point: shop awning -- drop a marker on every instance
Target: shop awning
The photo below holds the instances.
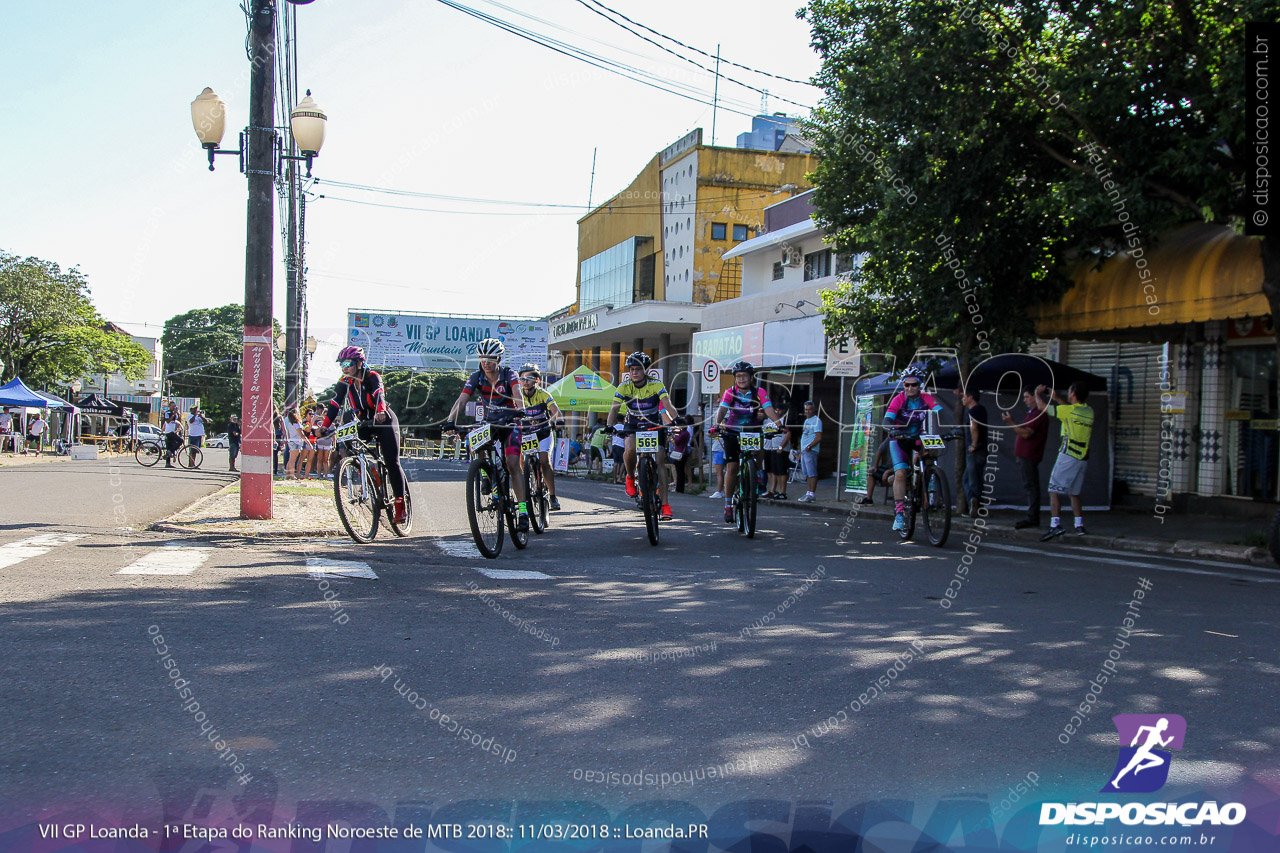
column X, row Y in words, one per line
column 1198, row 272
column 95, row 405
column 583, row 390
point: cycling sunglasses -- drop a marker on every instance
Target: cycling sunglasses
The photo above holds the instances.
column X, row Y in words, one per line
column 910, row 384
column 348, row 362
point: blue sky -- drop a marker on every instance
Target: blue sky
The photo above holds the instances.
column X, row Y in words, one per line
column 99, row 166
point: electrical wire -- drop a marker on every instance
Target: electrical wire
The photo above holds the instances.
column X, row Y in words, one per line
column 692, row 62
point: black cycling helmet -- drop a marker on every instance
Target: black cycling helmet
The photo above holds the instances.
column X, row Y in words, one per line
column 639, row 359
column 743, row 366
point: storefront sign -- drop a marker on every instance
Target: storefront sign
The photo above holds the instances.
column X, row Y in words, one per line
column 725, row 346
column 575, row 324
column 443, row 343
column 861, row 445
column 799, row 342
column 844, row 360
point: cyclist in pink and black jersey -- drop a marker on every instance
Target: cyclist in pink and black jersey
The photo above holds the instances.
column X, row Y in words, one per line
column 740, row 406
column 907, row 412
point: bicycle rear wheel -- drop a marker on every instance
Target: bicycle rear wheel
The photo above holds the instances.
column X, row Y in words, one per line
column 148, row 453
column 483, row 509
column 356, row 500
column 749, row 497
column 400, row 529
column 936, row 507
column 649, row 497
column 190, row 457
column 537, row 496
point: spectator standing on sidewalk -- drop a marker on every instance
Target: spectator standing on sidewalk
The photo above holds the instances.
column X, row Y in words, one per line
column 777, row 464
column 1028, row 450
column 297, row 442
column 195, row 433
column 599, row 440
column 35, row 431
column 810, row 440
column 1076, row 421
column 233, row 440
column 281, row 454
column 717, row 465
column 975, row 419
column 619, row 447
column 6, row 431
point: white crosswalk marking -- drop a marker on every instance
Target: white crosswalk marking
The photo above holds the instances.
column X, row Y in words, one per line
column 511, row 574
column 458, row 548
column 320, row 567
column 169, row 560
column 24, row 549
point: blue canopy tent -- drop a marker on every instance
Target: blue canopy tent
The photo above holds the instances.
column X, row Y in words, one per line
column 1002, row 379
column 16, row 393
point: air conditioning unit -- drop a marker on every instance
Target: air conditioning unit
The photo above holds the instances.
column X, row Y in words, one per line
column 792, row 258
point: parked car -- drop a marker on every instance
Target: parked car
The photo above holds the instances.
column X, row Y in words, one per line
column 219, row 440
column 146, row 432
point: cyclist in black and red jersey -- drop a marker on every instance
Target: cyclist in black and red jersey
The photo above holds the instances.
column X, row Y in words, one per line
column 499, row 393
column 361, row 389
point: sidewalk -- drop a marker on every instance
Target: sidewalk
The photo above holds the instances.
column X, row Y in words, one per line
column 1121, row 529
column 300, row 508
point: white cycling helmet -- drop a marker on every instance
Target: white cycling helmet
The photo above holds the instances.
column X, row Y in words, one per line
column 490, row 348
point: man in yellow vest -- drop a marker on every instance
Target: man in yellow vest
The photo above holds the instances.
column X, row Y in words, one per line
column 1076, row 422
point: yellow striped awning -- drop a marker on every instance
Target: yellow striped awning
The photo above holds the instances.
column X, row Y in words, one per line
column 1198, row 272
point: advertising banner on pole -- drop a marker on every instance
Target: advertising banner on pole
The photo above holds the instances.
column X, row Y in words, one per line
column 423, row 342
column 257, row 424
column 560, row 455
column 861, row 445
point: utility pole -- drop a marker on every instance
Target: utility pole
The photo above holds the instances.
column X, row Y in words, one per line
column 292, row 394
column 715, row 97
column 257, row 415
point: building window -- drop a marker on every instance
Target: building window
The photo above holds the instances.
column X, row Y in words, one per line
column 739, row 233
column 846, row 262
column 777, row 270
column 817, row 265
column 718, row 230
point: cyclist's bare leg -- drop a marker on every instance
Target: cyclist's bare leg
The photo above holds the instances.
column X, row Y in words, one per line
column 517, row 481
column 547, row 473
column 629, row 456
column 730, row 480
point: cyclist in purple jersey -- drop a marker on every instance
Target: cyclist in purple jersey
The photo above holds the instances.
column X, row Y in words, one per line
column 740, row 406
column 908, row 410
column 500, row 394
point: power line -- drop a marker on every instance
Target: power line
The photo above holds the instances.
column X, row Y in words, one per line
column 595, row 60
column 703, row 52
column 692, row 62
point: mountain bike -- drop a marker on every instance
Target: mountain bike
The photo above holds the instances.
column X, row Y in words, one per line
column 150, row 452
column 648, row 443
column 360, row 488
column 928, row 495
column 490, row 501
column 535, row 482
column 745, row 495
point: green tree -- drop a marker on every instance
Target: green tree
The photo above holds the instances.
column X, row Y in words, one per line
column 50, row 332
column 987, row 114
column 419, row 399
column 205, row 335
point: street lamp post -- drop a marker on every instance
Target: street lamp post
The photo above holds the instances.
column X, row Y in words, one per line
column 260, row 157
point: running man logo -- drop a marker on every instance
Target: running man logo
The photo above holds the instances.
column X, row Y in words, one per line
column 1143, row 765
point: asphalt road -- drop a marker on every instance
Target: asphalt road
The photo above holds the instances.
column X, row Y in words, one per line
column 709, row 650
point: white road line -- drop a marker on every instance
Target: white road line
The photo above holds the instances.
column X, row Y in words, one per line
column 320, row 567
column 1118, row 560
column 511, row 574
column 24, row 549
column 169, row 560
column 458, row 548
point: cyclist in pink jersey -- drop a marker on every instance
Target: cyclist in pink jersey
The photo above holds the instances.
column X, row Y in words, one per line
column 906, row 414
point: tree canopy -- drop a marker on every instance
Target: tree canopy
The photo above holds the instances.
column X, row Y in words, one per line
column 50, row 333
column 1017, row 136
column 205, row 335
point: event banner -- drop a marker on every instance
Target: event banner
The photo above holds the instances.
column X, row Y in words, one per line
column 861, row 445
column 424, row 342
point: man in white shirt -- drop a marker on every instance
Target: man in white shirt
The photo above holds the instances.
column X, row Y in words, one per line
column 6, row 432
column 195, row 433
column 810, row 438
column 35, row 432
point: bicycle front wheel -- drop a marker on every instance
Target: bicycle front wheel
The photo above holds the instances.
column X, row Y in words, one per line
column 190, row 457
column 749, row 497
column 935, row 508
column 148, row 453
column 537, row 496
column 356, row 500
column 484, row 511
column 649, row 497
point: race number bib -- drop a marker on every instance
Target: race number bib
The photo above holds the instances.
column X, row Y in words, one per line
column 529, row 443
column 346, row 432
column 749, row 441
column 479, row 437
column 647, row 441
column 932, row 442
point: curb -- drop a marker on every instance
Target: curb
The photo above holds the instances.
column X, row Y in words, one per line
column 1244, row 554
